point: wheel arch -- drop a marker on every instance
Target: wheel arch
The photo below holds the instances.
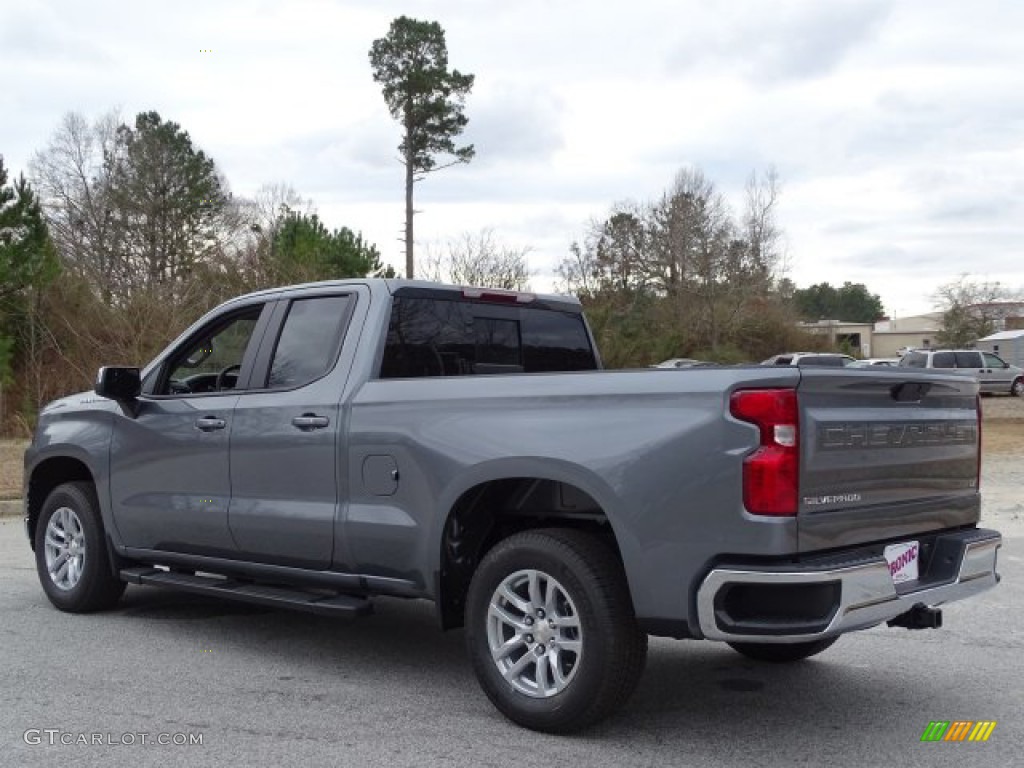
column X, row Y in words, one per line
column 499, row 498
column 46, row 475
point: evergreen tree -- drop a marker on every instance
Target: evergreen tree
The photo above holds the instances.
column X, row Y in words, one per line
column 27, row 261
column 411, row 62
column 27, row 256
column 166, row 197
column 304, row 249
column 851, row 302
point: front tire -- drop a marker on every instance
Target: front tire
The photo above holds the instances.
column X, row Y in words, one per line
column 551, row 632
column 783, row 653
column 1017, row 388
column 71, row 553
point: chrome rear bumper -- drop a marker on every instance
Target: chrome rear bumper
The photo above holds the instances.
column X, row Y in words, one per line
column 865, row 590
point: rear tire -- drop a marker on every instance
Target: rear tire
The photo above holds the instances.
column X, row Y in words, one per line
column 782, row 653
column 551, row 632
column 71, row 551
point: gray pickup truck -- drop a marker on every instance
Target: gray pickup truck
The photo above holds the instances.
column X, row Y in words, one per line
column 316, row 446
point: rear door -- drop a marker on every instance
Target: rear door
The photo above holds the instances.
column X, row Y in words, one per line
column 285, row 452
column 972, row 363
column 885, row 454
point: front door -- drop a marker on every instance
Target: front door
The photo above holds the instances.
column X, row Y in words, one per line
column 285, row 437
column 169, row 461
column 996, row 376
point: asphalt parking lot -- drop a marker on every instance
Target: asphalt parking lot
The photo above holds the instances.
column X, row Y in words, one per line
column 285, row 689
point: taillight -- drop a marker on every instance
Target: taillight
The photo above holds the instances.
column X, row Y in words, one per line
column 977, row 481
column 771, row 474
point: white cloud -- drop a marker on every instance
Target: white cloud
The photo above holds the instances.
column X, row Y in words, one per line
column 767, row 42
column 896, row 126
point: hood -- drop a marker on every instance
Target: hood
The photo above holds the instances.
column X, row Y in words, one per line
column 80, row 401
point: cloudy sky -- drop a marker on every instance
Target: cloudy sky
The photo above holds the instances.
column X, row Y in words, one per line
column 897, row 127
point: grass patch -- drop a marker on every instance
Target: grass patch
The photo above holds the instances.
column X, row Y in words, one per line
column 11, row 455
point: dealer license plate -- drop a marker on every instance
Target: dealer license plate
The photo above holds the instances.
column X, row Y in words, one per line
column 902, row 560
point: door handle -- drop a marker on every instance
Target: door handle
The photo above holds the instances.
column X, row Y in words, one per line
column 210, row 423
column 310, row 421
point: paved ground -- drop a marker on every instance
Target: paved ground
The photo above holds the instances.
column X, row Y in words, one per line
column 268, row 688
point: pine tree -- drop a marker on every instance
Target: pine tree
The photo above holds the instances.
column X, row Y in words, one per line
column 411, row 62
column 304, row 249
column 26, row 253
column 27, row 260
column 166, row 197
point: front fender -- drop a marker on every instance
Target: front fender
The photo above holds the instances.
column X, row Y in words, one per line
column 80, row 436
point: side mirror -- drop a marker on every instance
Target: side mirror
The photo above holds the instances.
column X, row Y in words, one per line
column 119, row 384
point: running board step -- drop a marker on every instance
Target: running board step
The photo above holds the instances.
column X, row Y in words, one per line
column 323, row 603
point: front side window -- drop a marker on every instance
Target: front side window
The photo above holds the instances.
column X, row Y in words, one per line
column 309, row 341
column 211, row 362
column 993, row 361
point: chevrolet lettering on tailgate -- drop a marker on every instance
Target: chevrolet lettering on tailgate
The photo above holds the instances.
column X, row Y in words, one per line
column 842, row 436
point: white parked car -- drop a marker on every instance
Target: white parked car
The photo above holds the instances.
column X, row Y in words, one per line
column 681, row 362
column 884, row 362
column 808, row 359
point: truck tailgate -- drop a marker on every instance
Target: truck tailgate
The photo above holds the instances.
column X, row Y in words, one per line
column 885, row 455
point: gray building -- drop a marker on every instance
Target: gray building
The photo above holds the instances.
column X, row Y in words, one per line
column 1009, row 345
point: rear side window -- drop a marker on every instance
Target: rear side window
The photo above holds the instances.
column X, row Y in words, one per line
column 914, row 360
column 440, row 337
column 309, row 341
column 944, row 360
column 968, row 360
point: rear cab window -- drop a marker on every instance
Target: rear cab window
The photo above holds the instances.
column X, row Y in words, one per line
column 442, row 336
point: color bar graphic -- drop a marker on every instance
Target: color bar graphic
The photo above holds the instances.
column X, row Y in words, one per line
column 958, row 730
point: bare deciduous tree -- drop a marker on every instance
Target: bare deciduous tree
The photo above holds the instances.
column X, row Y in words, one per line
column 685, row 257
column 259, row 220
column 72, row 180
column 480, row 260
column 972, row 309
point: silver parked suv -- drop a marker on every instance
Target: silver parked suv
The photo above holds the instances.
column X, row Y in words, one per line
column 993, row 374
